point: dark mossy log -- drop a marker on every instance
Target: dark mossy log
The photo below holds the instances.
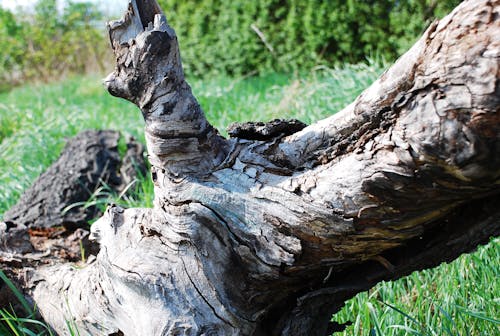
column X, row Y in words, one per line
column 52, row 216
column 270, row 231
column 89, row 161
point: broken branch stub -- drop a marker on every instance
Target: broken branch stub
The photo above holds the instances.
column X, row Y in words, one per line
column 149, row 74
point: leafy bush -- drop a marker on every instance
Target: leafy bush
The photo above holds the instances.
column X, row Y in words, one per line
column 48, row 43
column 11, row 47
column 240, row 37
column 234, row 37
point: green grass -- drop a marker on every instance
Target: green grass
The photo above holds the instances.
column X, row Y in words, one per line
column 37, row 120
column 461, row 298
column 11, row 324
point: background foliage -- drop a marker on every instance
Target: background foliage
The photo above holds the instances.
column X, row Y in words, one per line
column 223, row 35
column 46, row 44
column 235, row 37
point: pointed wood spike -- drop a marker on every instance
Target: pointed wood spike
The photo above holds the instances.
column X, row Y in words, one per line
column 149, row 73
column 147, row 9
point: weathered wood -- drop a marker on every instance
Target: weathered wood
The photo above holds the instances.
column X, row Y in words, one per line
column 265, row 131
column 88, row 161
column 51, row 219
column 269, row 233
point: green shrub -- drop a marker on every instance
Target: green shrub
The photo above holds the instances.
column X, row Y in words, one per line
column 240, row 37
column 235, row 37
column 12, row 47
column 48, row 44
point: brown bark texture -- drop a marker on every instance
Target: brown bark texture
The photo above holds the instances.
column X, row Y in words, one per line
column 270, row 231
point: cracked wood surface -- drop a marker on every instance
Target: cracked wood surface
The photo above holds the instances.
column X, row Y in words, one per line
column 270, row 232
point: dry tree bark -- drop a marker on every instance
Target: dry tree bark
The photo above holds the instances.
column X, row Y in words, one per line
column 270, row 231
column 53, row 214
column 88, row 161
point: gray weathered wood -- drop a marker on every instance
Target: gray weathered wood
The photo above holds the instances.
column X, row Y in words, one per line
column 269, row 235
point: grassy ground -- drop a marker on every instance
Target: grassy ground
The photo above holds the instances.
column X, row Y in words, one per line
column 461, row 298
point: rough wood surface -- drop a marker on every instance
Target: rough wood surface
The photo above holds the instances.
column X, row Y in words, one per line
column 269, row 235
column 51, row 219
column 88, row 161
column 265, row 130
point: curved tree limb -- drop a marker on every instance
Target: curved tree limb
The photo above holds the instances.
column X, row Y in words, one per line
column 269, row 236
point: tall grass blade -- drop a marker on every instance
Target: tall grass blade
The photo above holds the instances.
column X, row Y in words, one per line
column 26, row 306
column 478, row 315
column 412, row 319
column 8, row 319
column 374, row 319
column 448, row 318
column 407, row 329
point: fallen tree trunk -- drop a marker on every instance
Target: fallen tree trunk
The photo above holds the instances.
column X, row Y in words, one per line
column 269, row 232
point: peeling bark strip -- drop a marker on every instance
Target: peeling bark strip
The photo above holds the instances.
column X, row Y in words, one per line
column 269, row 235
